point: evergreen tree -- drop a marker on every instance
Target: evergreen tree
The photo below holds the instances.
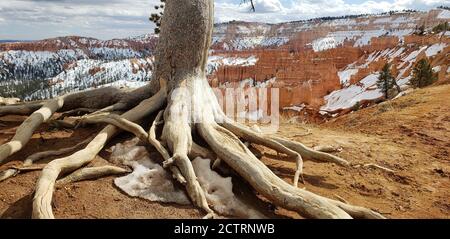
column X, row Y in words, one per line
column 420, row 30
column 386, row 81
column 423, row 74
column 441, row 27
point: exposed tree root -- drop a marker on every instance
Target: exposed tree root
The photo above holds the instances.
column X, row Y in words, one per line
column 177, row 134
column 375, row 166
column 161, row 149
column 76, row 112
column 9, row 101
column 309, row 153
column 27, row 128
column 327, row 148
column 20, row 109
column 62, row 124
column 13, row 171
column 357, row 211
column 341, row 198
column 97, row 98
column 92, row 173
column 241, row 160
column 45, row 185
column 5, row 174
column 303, row 150
column 139, row 132
column 258, row 138
column 238, row 157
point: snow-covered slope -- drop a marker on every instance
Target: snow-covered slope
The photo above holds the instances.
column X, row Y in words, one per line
column 26, row 68
column 87, row 73
column 402, row 58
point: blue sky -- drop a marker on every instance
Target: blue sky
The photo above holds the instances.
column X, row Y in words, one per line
column 106, row 19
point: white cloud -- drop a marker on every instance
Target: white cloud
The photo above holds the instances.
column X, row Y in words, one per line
column 36, row 19
column 305, row 9
column 265, row 6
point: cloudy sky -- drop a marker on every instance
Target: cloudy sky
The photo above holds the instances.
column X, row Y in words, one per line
column 106, row 19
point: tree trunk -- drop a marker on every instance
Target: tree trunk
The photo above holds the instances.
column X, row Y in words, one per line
column 182, row 50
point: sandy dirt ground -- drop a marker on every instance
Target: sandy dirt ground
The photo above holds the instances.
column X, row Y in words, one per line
column 410, row 135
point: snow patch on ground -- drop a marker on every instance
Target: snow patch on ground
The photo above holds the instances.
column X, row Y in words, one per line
column 219, row 192
column 215, row 62
column 435, row 49
column 152, row 182
column 436, row 68
column 349, row 96
column 344, row 76
column 148, row 180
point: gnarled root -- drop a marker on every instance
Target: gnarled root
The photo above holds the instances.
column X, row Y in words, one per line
column 27, row 128
column 238, row 157
column 309, row 153
column 76, row 112
column 20, row 109
column 45, row 185
column 96, row 98
column 375, row 166
column 5, row 174
column 255, row 137
column 161, row 149
column 304, row 151
column 11, row 172
column 327, row 148
column 92, row 173
column 139, row 132
column 177, row 134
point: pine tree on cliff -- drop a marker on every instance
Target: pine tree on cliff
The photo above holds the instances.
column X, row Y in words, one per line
column 386, row 81
column 423, row 74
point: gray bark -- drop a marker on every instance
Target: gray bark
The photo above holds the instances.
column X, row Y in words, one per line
column 185, row 38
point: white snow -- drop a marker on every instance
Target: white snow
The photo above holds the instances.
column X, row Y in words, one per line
column 413, row 55
column 445, row 14
column 435, row 49
column 85, row 74
column 152, row 182
column 396, row 54
column 215, row 62
column 108, row 53
column 436, row 68
column 252, row 42
column 148, row 180
column 348, row 97
column 323, row 44
column 344, row 76
column 359, row 37
column 219, row 192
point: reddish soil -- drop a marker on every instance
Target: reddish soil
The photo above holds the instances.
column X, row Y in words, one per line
column 409, row 135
